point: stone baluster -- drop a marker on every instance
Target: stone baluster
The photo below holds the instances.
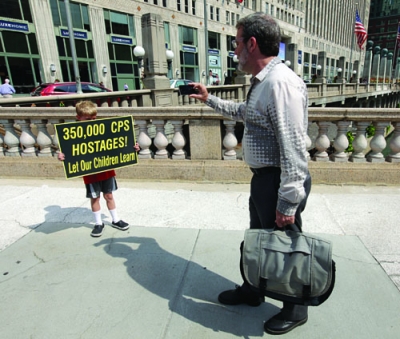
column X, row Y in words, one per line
column 360, row 142
column 134, row 101
column 43, row 138
column 308, row 142
column 186, row 99
column 124, row 101
column 143, row 140
column 341, row 142
column 114, row 102
column 178, row 141
column 27, row 139
column 322, row 142
column 230, row 141
column 104, row 102
column 56, row 143
column 11, row 138
column 160, row 140
column 378, row 142
column 1, row 145
column 394, row 144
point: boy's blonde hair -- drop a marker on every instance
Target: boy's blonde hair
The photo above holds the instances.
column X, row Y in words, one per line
column 85, row 108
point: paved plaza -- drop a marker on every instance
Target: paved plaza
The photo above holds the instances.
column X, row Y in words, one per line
column 161, row 278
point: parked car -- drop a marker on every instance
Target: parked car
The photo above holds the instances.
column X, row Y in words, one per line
column 61, row 88
column 175, row 83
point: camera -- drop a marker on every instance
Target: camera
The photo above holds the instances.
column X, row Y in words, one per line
column 187, row 90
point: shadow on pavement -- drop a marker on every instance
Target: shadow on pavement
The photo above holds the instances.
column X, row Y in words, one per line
column 191, row 289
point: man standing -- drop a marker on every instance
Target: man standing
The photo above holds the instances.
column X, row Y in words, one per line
column 274, row 146
column 6, row 90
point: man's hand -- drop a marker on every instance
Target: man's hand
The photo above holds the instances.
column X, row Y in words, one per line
column 61, row 156
column 202, row 93
column 283, row 220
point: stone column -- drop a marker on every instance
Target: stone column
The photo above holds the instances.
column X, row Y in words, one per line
column 389, row 69
column 155, row 60
column 291, row 55
column 382, row 65
column 321, row 61
column 356, row 69
column 340, row 76
column 368, row 62
column 100, row 47
column 46, row 40
column 375, row 65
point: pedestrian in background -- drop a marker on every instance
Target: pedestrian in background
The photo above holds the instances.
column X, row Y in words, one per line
column 6, row 90
column 275, row 117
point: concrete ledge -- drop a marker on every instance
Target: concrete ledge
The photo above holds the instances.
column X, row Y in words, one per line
column 210, row 170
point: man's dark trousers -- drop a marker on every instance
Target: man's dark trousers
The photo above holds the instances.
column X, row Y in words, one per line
column 264, row 188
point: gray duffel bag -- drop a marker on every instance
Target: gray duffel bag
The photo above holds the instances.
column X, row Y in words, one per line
column 289, row 266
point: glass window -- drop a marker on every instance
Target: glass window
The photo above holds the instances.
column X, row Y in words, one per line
column 15, row 42
column 166, row 33
column 79, row 14
column 10, row 9
column 119, row 23
column 123, row 52
column 194, row 7
column 213, row 40
column 188, row 35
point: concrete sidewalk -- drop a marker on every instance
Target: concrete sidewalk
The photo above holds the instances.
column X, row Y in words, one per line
column 161, row 278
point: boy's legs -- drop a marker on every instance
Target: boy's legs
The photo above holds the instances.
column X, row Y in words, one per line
column 108, row 187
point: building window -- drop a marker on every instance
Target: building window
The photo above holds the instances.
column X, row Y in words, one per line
column 194, row 7
column 178, row 5
column 217, row 15
column 211, row 12
column 119, row 23
column 16, row 9
column 188, row 35
column 227, row 17
column 214, row 40
column 79, row 14
column 186, row 6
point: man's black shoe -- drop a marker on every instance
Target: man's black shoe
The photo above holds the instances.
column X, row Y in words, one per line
column 279, row 325
column 240, row 295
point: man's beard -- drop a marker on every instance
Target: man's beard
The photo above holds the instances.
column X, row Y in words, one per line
column 244, row 55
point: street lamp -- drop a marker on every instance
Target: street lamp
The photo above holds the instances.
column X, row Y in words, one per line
column 319, row 67
column 170, row 55
column 288, row 63
column 139, row 53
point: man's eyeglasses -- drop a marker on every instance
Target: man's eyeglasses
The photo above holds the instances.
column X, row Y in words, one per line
column 235, row 42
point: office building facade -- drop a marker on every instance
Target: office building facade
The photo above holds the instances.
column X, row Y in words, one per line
column 35, row 46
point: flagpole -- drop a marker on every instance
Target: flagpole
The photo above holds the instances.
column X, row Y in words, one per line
column 395, row 46
column 352, row 45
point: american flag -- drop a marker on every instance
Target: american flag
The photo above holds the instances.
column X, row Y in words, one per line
column 361, row 33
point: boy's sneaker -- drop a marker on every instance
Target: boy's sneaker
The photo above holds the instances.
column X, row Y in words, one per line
column 97, row 230
column 121, row 225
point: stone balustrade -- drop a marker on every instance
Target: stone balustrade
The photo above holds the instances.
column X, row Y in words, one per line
column 195, row 132
column 319, row 94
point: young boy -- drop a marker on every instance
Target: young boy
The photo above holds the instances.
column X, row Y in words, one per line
column 101, row 182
